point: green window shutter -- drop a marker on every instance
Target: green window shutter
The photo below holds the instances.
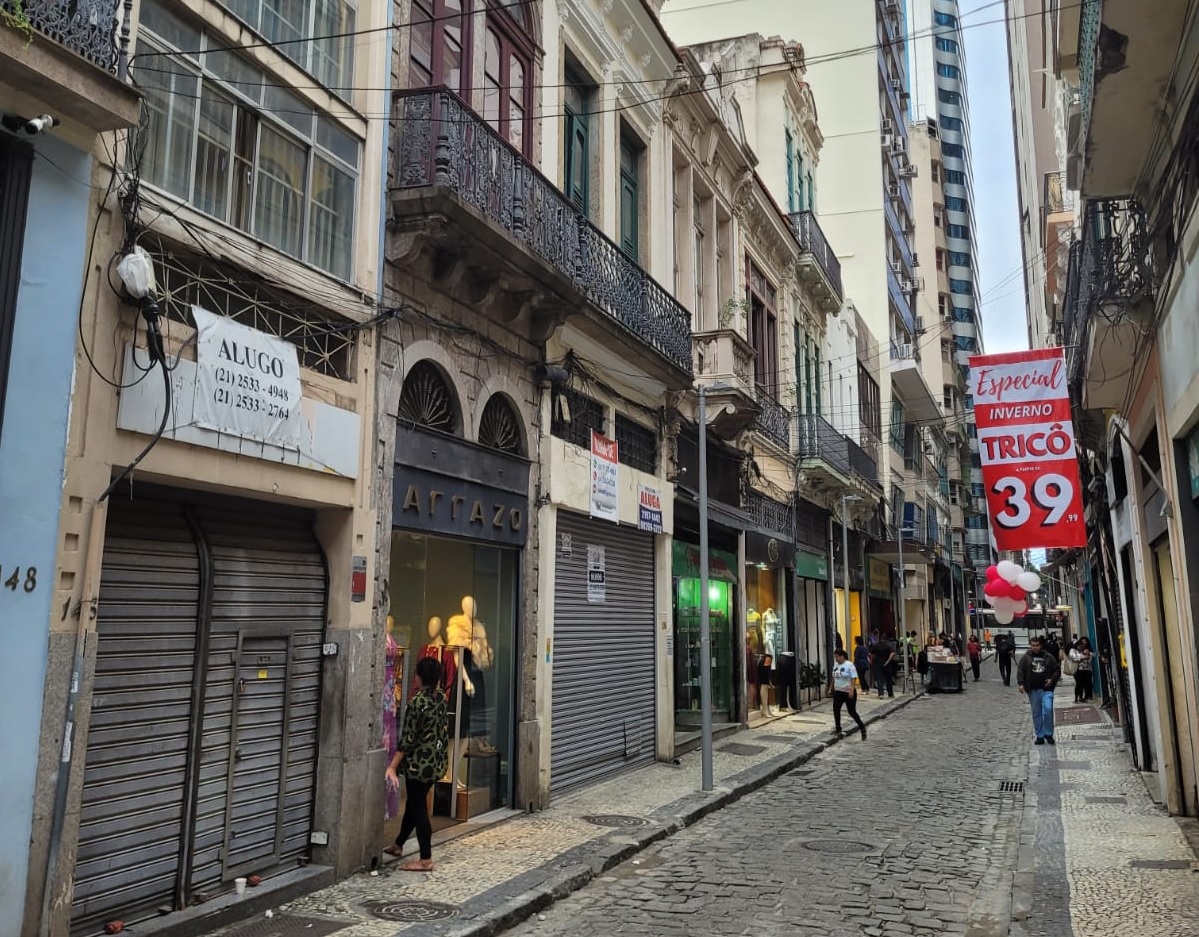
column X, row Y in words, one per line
column 629, row 200
column 819, row 394
column 577, row 160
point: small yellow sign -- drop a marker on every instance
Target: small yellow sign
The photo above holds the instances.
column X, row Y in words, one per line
column 262, row 675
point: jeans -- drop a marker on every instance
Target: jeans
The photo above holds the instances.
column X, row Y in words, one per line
column 416, row 817
column 883, row 681
column 840, row 699
column 1005, row 668
column 975, row 663
column 1041, row 702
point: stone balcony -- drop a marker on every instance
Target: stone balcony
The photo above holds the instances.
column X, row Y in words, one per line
column 723, row 362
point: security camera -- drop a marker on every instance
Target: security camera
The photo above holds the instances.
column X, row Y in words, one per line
column 41, row 124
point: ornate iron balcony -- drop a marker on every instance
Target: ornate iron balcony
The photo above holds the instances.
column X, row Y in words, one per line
column 812, row 240
column 773, row 420
column 440, row 141
column 769, row 514
column 818, row 439
column 862, row 464
column 90, row 28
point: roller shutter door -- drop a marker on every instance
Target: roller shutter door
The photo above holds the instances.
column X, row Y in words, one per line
column 604, row 677
column 218, row 612
column 131, row 821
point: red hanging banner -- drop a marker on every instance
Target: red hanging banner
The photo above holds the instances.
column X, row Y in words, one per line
column 1026, row 446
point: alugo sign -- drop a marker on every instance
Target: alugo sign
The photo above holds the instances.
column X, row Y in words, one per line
column 1026, row 446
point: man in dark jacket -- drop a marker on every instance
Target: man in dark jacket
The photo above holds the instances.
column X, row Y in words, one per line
column 882, row 655
column 1037, row 675
column 1005, row 647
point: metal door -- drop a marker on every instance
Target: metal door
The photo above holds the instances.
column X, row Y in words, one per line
column 132, row 814
column 604, row 677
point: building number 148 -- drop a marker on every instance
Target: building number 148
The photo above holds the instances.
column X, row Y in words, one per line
column 1050, row 492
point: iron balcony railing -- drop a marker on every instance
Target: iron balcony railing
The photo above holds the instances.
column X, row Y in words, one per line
column 98, row 30
column 773, row 420
column 861, row 463
column 819, row 439
column 768, row 514
column 440, row 141
column 811, row 238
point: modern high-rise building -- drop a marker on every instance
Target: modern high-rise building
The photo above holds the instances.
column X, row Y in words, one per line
column 939, row 97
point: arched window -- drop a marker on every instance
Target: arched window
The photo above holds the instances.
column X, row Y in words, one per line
column 508, row 73
column 500, row 426
column 427, row 399
column 439, row 51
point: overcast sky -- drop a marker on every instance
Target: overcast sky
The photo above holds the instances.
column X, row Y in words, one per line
column 997, row 222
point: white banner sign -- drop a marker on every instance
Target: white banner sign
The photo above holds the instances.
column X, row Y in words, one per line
column 597, row 575
column 247, row 382
column 605, row 476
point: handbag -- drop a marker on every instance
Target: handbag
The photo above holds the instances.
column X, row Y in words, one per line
column 1069, row 666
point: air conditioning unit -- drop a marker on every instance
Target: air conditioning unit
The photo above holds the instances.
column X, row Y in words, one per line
column 905, row 284
column 915, row 260
column 888, row 141
column 897, row 84
column 893, row 190
column 888, row 126
column 897, row 267
column 908, row 171
column 899, row 146
column 919, row 323
column 918, row 284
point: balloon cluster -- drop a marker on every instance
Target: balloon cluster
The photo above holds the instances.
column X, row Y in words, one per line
column 1007, row 590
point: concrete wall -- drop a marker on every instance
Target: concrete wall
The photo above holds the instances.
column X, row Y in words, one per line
column 31, row 478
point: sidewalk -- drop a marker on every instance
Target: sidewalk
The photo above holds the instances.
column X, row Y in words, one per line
column 499, row 875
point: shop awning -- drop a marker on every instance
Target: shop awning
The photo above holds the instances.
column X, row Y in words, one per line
column 718, row 511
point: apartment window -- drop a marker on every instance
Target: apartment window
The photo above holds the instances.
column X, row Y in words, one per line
column 965, row 343
column 438, row 34
column 949, row 97
column 955, row 177
column 869, row 402
column 946, row 45
column 291, row 26
column 637, row 446
column 946, row 350
column 947, row 397
column 960, row 286
column 944, row 19
column 575, row 415
column 630, row 196
column 954, row 203
column 959, row 259
column 943, row 305
column 794, row 172
column 508, row 75
column 938, row 217
column 969, row 402
column 896, row 429
column 810, row 192
column 940, row 259
column 953, row 150
column 935, row 171
column 953, row 123
column 763, row 329
column 699, row 214
column 245, row 150
column 949, row 71
column 579, row 96
column 977, row 490
column 963, row 315
column 959, row 231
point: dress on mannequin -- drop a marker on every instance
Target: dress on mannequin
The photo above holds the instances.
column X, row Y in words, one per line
column 436, row 648
column 460, row 633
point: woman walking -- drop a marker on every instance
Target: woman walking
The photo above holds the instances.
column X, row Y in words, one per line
column 423, row 753
column 975, row 652
column 843, row 686
column 861, row 661
column 1084, row 659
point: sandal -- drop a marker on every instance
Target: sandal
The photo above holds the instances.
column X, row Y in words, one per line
column 418, row 865
column 393, row 850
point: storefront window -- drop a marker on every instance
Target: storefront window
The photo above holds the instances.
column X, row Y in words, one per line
column 687, row 605
column 456, row 600
column 766, row 634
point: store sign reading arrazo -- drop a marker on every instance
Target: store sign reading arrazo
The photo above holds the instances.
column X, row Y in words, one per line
column 649, row 509
column 247, row 382
column 605, row 474
column 1026, row 446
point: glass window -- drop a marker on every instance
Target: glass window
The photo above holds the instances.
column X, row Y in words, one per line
column 508, row 79
column 953, row 123
column 630, row 196
column 763, row 330
column 954, row 203
column 944, row 19
column 963, row 315
column 953, row 150
column 960, row 286
column 456, row 601
column 955, row 177
column 946, row 45
column 250, row 153
column 765, row 633
column 948, row 71
column 949, row 97
column 959, row 231
column 959, row 259
column 577, row 142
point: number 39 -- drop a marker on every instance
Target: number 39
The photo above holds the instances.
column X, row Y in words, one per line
column 1052, row 493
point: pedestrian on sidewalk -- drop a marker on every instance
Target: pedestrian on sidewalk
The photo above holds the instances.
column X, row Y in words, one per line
column 861, row 661
column 843, row 686
column 423, row 751
column 975, row 650
column 1084, row 685
column 1037, row 675
column 882, row 655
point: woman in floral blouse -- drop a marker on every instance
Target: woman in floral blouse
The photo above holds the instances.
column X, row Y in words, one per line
column 423, row 752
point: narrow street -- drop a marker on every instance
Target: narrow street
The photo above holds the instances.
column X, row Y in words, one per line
column 918, row 831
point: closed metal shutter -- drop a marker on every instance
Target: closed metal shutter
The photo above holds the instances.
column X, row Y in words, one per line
column 226, row 612
column 604, row 678
column 131, row 821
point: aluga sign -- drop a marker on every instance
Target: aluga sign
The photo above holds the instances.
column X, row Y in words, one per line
column 1027, row 449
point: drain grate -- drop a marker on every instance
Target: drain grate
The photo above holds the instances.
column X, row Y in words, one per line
column 736, row 748
column 410, row 911
column 615, row 820
column 1011, row 787
column 288, row 925
column 841, row 847
column 1160, row 864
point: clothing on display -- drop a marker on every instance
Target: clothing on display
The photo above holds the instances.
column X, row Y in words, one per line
column 393, row 689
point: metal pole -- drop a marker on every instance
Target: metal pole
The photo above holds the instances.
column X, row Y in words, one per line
column 705, row 630
column 845, row 563
column 903, row 620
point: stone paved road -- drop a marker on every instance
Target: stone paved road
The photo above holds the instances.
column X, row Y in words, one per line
column 903, row 835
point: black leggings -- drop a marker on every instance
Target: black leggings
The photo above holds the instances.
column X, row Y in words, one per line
column 416, row 817
column 840, row 699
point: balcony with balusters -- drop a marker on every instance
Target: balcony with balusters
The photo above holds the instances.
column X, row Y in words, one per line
column 484, row 218
column 724, row 364
column 69, row 60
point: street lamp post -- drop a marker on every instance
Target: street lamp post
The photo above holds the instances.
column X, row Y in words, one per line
column 903, row 619
column 845, row 499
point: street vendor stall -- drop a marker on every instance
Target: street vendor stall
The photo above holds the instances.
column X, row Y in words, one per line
column 944, row 671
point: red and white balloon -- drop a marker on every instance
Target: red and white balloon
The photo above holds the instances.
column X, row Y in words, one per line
column 1007, row 590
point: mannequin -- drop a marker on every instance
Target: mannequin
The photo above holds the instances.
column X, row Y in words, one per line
column 435, row 647
column 765, row 667
column 770, row 624
column 460, row 633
